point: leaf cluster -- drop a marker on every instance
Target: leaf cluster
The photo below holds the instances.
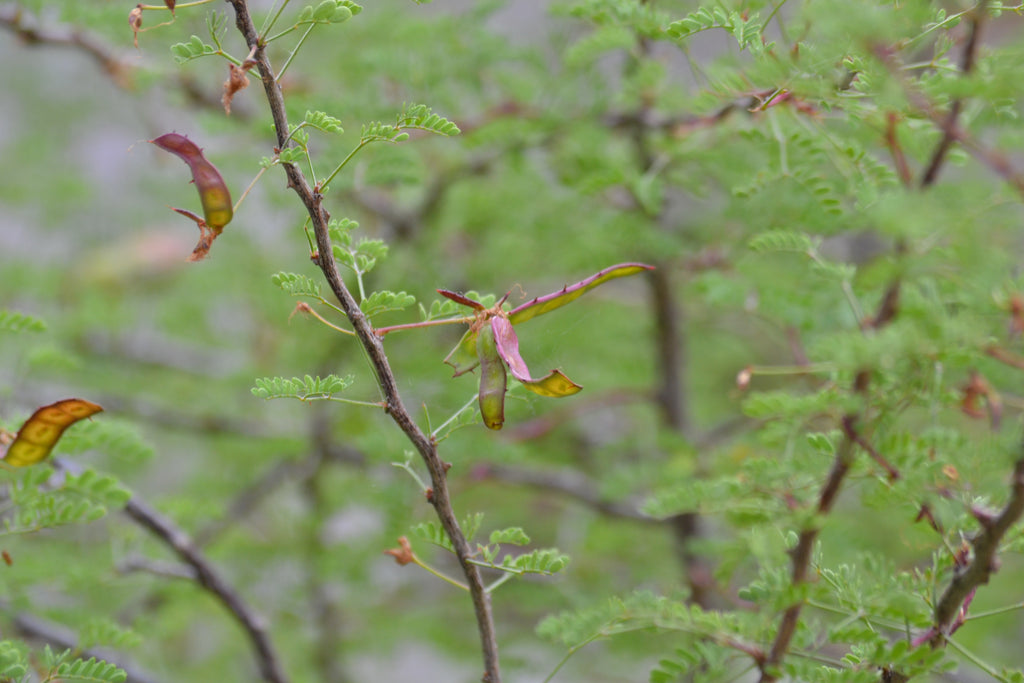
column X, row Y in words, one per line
column 544, row 561
column 306, row 388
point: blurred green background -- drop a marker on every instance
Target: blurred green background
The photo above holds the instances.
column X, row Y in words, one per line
column 583, row 145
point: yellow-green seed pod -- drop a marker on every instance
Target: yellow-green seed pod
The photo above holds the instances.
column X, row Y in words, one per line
column 493, row 379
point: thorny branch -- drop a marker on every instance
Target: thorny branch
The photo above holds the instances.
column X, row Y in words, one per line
column 960, row 590
column 373, row 346
column 206, row 576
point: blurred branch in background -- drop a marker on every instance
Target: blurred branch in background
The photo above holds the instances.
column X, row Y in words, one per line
column 206, row 576
column 31, row 31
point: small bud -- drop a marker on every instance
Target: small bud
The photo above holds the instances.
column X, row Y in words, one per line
column 7, row 557
column 743, row 378
column 301, row 307
column 170, row 5
column 430, row 495
column 403, row 554
column 135, row 21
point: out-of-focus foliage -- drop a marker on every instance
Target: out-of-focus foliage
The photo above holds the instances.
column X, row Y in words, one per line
column 815, row 298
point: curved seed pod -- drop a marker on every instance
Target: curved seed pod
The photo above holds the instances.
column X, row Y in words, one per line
column 213, row 192
column 553, row 384
column 549, row 302
column 492, row 379
column 40, row 433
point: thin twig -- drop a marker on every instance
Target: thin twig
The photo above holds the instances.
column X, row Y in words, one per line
column 892, row 141
column 206, row 576
column 998, row 162
column 967, row 59
column 801, row 561
column 671, row 350
column 1005, row 357
column 850, row 430
column 427, row 449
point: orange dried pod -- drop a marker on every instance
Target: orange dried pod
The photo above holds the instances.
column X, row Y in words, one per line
column 43, row 429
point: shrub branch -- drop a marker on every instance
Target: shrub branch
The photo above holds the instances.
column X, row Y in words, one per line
column 984, row 562
column 949, row 136
column 205, row 575
column 373, row 345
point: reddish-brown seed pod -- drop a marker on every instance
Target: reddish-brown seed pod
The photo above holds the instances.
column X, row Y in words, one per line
column 213, row 192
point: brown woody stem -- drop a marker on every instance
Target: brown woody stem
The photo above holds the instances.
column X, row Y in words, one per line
column 374, row 348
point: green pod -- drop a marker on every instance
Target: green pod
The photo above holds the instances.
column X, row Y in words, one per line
column 492, row 379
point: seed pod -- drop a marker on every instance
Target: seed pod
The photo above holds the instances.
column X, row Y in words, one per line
column 492, row 379
column 213, row 192
column 43, row 429
column 554, row 384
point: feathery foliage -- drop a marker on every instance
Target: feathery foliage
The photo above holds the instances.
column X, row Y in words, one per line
column 797, row 455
